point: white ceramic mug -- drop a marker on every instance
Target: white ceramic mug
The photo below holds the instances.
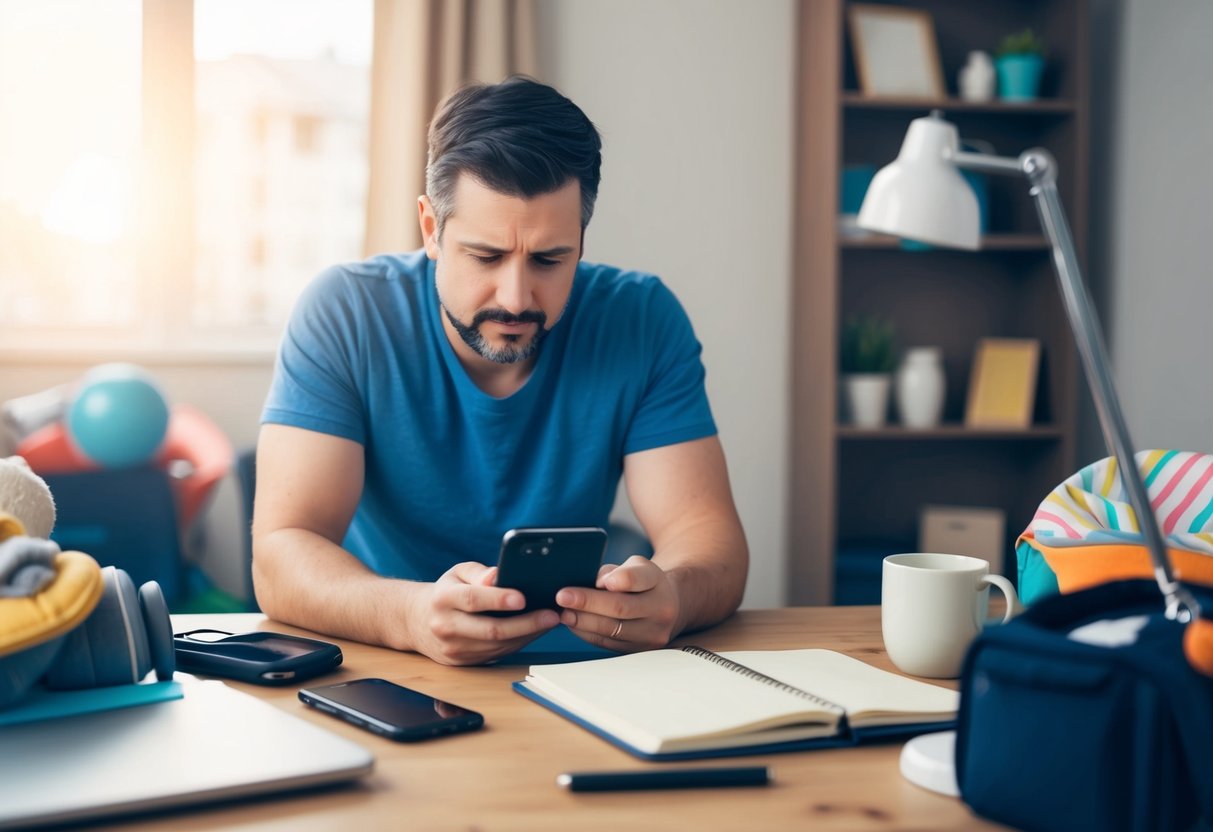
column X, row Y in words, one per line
column 932, row 606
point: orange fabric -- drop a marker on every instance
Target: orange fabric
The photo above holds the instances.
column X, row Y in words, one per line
column 1198, row 645
column 1079, row 567
column 193, row 437
column 49, row 450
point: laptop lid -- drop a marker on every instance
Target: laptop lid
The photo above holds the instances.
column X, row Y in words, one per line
column 214, row 744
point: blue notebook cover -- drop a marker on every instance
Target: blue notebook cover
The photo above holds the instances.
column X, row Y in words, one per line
column 43, row 704
column 844, row 739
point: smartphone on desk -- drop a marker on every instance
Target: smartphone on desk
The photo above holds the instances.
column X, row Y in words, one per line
column 263, row 658
column 391, row 710
column 541, row 561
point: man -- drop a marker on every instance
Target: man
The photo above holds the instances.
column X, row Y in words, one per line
column 424, row 404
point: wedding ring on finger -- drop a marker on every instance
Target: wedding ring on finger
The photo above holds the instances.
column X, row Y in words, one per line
column 618, row 628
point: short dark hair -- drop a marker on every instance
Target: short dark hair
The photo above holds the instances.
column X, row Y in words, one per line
column 519, row 137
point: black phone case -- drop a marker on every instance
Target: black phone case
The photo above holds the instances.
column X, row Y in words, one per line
column 241, row 656
column 573, row 558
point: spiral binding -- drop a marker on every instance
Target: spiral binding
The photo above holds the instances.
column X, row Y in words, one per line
column 729, row 664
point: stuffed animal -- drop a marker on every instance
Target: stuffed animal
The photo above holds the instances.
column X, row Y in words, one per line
column 24, row 498
column 44, row 593
column 49, row 635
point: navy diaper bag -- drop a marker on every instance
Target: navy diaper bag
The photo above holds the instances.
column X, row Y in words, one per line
column 1083, row 713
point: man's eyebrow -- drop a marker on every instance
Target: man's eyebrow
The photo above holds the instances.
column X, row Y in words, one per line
column 485, row 248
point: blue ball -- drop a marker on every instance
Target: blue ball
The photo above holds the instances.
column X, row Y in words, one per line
column 119, row 416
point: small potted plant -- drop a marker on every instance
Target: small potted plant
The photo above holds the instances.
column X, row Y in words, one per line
column 1020, row 63
column 867, row 359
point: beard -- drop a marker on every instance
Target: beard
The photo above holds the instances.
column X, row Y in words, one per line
column 513, row 351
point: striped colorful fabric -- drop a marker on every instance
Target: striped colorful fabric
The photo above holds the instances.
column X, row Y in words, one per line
column 1085, row 532
column 1092, row 505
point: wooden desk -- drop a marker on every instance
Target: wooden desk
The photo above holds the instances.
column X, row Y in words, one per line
column 503, row 776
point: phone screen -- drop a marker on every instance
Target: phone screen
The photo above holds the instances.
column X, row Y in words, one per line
column 386, row 708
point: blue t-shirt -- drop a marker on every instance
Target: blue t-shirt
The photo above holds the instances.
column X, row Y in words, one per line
column 450, row 468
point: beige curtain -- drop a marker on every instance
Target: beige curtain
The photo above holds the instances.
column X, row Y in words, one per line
column 424, row 49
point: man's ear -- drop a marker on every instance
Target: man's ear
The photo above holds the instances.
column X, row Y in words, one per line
column 428, row 221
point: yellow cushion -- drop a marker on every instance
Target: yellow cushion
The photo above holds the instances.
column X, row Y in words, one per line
column 58, row 608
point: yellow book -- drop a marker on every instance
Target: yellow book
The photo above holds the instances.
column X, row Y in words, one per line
column 672, row 704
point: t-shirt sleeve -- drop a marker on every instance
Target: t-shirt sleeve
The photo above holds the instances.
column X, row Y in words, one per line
column 314, row 385
column 674, row 407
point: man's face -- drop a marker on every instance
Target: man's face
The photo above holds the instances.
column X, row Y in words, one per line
column 505, row 267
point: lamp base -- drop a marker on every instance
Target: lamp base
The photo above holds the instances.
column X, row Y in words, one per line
column 929, row 761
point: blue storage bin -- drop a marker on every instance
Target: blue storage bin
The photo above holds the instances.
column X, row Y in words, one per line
column 858, row 569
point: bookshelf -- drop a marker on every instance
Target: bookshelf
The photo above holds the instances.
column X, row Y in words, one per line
column 858, row 489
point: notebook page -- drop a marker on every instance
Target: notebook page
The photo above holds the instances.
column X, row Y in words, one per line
column 868, row 693
column 667, row 695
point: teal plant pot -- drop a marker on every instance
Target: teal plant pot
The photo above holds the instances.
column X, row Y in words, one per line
column 1019, row 77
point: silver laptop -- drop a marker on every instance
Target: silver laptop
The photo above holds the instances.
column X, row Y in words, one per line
column 214, row 744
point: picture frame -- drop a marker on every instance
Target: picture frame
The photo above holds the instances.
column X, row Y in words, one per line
column 1002, row 385
column 896, row 54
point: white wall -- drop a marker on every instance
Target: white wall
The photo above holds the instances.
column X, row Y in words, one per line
column 1155, row 239
column 694, row 102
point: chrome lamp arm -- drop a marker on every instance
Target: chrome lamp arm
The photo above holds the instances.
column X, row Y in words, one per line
column 1040, row 169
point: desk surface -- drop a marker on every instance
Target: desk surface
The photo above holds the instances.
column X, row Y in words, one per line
column 503, row 776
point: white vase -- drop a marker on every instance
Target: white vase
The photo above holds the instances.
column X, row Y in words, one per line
column 920, row 387
column 867, row 396
column 977, row 77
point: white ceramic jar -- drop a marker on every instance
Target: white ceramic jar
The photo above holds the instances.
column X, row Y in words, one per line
column 977, row 77
column 920, row 387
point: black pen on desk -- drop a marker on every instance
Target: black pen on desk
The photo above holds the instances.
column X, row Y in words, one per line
column 677, row 778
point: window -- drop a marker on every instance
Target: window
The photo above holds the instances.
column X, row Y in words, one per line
column 156, row 201
column 287, row 84
column 69, row 154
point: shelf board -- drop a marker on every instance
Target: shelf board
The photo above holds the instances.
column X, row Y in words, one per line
column 948, row 432
column 1042, row 106
column 989, row 242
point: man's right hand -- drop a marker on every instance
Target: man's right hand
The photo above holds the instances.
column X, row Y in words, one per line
column 449, row 626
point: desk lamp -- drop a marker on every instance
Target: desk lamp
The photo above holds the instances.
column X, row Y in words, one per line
column 921, row 195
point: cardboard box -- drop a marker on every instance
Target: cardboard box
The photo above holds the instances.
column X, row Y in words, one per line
column 962, row 530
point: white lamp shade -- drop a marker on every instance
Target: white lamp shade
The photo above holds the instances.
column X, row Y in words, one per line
column 921, row 195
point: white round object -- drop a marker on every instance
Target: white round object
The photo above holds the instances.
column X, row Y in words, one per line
column 929, row 761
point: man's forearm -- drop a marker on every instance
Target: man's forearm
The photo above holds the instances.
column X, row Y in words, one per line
column 707, row 564
column 301, row 578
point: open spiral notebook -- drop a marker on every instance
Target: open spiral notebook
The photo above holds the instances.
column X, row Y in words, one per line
column 679, row 704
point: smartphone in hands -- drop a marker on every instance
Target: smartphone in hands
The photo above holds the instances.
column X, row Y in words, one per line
column 539, row 562
column 391, row 710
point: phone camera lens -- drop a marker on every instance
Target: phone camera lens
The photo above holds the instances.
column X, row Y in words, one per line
column 544, row 550
column 550, row 541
